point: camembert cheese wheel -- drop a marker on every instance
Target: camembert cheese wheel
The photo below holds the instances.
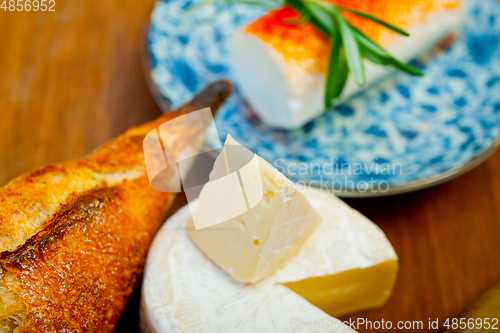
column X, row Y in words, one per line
column 346, row 265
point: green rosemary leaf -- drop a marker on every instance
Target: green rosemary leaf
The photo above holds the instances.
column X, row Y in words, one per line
column 352, row 52
column 337, row 73
column 303, row 17
column 327, row 7
column 373, row 50
column 374, row 19
column 300, row 7
column 404, row 67
column 318, row 12
column 368, row 43
column 343, row 73
column 374, row 57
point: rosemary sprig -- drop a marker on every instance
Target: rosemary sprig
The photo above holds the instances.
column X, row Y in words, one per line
column 349, row 45
column 374, row 19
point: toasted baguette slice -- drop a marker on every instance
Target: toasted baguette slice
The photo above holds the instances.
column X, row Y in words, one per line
column 74, row 236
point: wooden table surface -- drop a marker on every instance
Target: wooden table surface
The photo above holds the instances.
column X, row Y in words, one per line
column 72, row 79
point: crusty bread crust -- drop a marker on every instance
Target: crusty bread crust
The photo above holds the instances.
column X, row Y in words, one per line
column 74, row 236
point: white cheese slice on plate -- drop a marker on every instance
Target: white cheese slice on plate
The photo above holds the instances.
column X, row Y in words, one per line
column 346, row 265
column 280, row 68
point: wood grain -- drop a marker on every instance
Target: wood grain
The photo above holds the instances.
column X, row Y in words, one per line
column 71, row 79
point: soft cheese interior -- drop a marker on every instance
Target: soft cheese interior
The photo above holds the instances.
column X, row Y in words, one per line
column 346, row 265
column 252, row 245
column 281, row 78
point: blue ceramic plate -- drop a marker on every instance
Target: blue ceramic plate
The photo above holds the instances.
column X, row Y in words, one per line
column 403, row 134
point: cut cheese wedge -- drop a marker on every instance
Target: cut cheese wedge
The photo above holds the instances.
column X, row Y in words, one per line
column 280, row 68
column 270, row 231
column 346, row 265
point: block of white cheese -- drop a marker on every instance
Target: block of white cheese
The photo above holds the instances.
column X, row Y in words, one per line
column 347, row 265
column 270, row 231
column 280, row 67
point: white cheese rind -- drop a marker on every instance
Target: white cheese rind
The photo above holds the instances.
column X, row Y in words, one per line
column 286, row 95
column 184, row 291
